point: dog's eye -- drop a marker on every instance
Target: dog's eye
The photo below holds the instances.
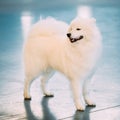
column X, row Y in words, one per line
column 78, row 29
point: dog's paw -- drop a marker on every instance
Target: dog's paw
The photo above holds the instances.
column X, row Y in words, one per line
column 27, row 98
column 48, row 94
column 90, row 102
column 80, row 107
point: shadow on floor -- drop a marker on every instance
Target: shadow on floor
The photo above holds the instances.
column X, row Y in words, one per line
column 47, row 114
column 29, row 113
column 83, row 115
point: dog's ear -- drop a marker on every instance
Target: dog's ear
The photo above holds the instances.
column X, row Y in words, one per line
column 93, row 19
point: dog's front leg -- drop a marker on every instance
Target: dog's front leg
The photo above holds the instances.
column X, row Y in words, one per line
column 86, row 93
column 78, row 94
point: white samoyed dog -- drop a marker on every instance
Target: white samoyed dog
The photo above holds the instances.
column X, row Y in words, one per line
column 72, row 49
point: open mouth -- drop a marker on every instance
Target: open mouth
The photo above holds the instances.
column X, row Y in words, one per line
column 72, row 40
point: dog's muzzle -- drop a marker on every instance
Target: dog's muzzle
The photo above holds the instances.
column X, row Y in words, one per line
column 72, row 40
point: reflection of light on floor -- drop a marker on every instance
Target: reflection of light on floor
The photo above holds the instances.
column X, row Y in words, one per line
column 26, row 24
column 84, row 11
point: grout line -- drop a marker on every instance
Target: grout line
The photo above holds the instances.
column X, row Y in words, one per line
column 94, row 111
column 105, row 108
column 65, row 118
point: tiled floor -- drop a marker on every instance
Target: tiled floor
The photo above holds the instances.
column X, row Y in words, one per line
column 14, row 26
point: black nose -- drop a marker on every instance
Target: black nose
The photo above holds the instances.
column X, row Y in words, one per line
column 68, row 34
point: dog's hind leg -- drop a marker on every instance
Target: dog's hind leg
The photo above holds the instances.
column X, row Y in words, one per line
column 45, row 77
column 27, row 84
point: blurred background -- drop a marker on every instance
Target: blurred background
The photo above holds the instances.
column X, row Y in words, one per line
column 16, row 19
column 53, row 4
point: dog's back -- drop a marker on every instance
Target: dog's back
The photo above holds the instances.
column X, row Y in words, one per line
column 41, row 44
column 49, row 26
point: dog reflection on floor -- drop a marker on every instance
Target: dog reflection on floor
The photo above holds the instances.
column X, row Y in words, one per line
column 29, row 113
column 48, row 115
column 82, row 115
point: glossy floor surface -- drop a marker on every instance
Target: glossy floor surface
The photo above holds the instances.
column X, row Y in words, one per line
column 14, row 26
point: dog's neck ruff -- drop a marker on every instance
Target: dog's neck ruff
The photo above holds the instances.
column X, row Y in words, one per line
column 72, row 40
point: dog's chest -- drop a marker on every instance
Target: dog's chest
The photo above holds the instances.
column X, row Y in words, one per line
column 86, row 56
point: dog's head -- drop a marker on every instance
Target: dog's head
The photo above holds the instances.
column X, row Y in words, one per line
column 80, row 29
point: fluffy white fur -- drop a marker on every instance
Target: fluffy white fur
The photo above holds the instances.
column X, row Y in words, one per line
column 48, row 49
